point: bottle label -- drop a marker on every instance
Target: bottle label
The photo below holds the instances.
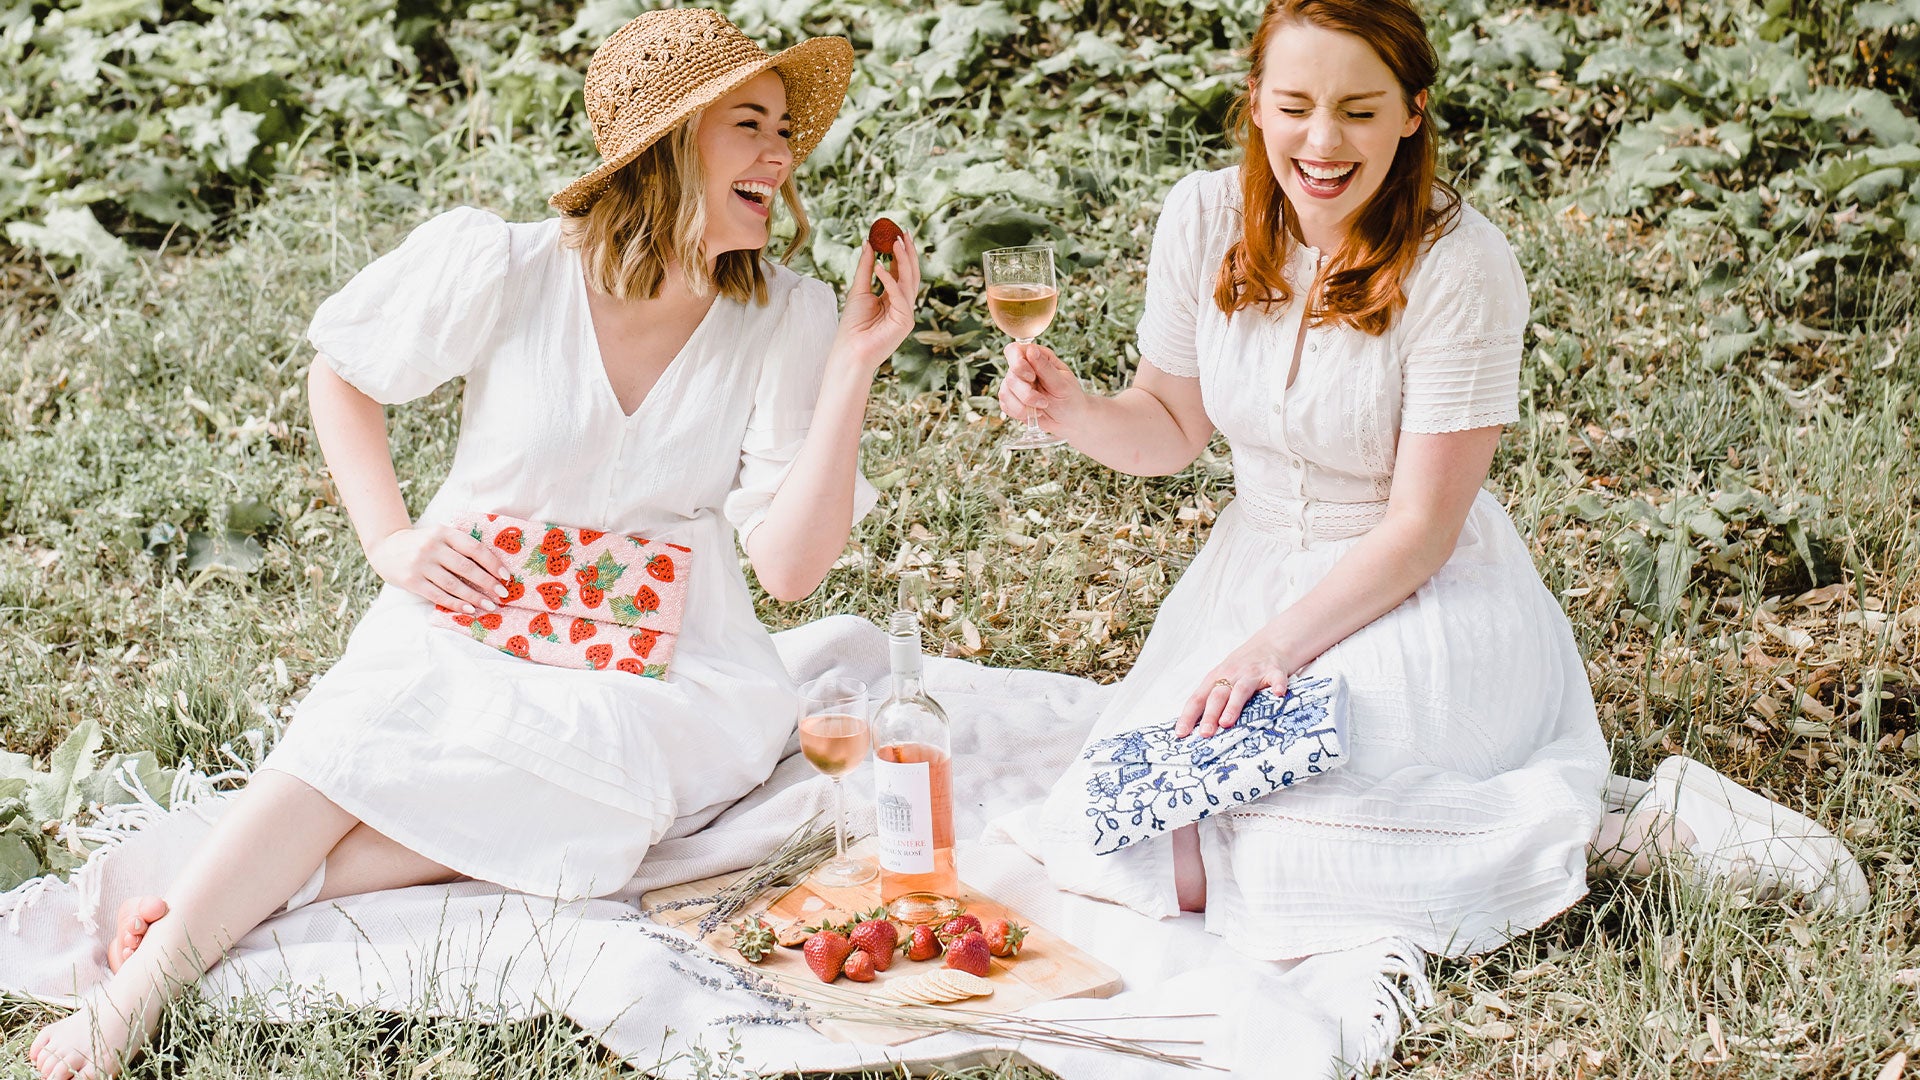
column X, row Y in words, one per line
column 903, row 803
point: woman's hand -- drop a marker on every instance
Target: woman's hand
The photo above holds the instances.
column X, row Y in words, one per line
column 873, row 325
column 1260, row 662
column 1038, row 382
column 443, row 564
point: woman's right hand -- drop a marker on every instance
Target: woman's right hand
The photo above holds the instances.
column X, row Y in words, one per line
column 444, row 565
column 1038, row 382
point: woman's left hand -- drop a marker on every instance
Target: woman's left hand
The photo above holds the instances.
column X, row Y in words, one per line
column 873, row 325
column 1259, row 663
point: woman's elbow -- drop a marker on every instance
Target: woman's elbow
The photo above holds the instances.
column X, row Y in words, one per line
column 784, row 581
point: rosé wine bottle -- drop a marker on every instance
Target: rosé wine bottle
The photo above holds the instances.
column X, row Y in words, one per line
column 913, row 787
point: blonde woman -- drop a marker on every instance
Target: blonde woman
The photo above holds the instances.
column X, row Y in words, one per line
column 633, row 366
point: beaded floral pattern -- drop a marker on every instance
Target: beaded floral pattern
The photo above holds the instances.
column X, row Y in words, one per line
column 1148, row 781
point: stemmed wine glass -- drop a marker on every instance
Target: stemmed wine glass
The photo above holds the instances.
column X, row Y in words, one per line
column 1022, row 295
column 834, row 736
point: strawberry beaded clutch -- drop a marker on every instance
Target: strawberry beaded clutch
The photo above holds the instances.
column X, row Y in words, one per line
column 581, row 598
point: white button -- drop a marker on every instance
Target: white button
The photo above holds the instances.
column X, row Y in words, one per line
column 1313, row 346
column 1278, row 409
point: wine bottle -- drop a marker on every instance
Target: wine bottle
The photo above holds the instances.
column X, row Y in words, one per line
column 913, row 787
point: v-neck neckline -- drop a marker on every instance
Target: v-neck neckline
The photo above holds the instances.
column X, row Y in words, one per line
column 674, row 363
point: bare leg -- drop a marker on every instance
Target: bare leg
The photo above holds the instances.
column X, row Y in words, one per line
column 1189, row 873
column 363, row 861
column 1632, row 842
column 368, row 861
column 264, row 848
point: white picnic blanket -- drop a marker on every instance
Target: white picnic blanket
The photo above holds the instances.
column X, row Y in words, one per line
column 474, row 951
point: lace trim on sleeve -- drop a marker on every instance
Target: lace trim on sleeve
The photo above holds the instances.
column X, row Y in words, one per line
column 1177, row 366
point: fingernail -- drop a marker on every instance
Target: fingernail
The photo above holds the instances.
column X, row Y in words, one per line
column 500, row 589
column 491, row 606
column 468, row 607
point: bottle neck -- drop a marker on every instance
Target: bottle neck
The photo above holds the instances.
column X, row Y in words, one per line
column 908, row 665
column 903, row 650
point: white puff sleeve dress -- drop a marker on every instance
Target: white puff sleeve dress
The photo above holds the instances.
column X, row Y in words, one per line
column 542, row 779
column 1475, row 761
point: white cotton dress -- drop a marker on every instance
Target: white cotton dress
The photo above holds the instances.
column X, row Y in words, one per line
column 543, row 779
column 1475, row 766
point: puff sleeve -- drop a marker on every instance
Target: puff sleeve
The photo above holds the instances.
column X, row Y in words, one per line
column 423, row 313
column 783, row 401
column 1174, row 282
column 1461, row 334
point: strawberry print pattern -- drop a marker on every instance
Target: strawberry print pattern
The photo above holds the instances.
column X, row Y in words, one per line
column 572, row 586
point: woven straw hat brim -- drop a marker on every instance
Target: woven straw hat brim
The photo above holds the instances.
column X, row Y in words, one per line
column 816, row 73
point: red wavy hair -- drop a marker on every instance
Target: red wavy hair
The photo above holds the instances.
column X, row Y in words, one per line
column 1364, row 285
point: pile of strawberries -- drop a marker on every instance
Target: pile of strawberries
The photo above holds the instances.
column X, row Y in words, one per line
column 866, row 945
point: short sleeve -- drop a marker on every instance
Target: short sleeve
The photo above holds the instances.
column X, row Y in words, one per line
column 783, row 402
column 423, row 313
column 1174, row 282
column 1461, row 334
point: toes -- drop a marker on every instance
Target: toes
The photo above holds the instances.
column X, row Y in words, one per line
column 153, row 908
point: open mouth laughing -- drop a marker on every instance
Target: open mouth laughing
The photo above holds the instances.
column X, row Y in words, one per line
column 1325, row 179
column 757, row 194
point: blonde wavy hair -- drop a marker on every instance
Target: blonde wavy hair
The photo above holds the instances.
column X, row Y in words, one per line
column 652, row 216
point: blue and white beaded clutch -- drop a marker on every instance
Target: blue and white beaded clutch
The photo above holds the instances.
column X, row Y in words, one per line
column 1146, row 782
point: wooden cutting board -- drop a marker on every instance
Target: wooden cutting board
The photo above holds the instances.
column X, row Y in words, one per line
column 1046, row 968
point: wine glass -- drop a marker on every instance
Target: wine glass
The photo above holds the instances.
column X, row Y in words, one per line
column 834, row 737
column 1022, row 295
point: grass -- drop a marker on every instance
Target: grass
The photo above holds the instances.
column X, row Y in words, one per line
column 143, row 415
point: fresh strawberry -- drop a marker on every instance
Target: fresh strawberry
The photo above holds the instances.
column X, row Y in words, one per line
column 1004, row 936
column 508, row 540
column 599, row 655
column 878, row 937
column 541, row 625
column 491, row 620
column 958, row 925
column 882, row 235
column 860, row 966
column 587, row 575
column 642, row 643
column 517, row 645
column 923, row 945
column 553, row 593
column 515, row 590
column 588, row 536
column 661, row 567
column 557, row 564
column 630, row 665
column 591, row 596
column 646, row 601
column 580, row 630
column 555, row 542
column 826, row 951
column 969, row 953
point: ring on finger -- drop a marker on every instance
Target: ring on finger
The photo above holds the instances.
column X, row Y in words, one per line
column 1228, row 683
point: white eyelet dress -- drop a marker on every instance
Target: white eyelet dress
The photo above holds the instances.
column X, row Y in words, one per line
column 1472, row 787
column 544, row 779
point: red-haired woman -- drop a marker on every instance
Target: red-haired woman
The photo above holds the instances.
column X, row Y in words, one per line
column 1355, row 332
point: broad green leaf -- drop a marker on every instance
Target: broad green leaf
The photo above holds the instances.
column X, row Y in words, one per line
column 56, row 794
column 18, row 861
column 73, row 234
column 226, row 549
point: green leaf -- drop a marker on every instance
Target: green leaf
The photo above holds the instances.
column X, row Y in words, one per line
column 226, row 550
column 18, row 861
column 56, row 794
column 607, row 571
column 72, row 234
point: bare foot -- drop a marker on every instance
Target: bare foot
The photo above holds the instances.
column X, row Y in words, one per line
column 95, row 1043
column 136, row 915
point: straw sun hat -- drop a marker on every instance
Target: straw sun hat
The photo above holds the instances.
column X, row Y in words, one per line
column 666, row 65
